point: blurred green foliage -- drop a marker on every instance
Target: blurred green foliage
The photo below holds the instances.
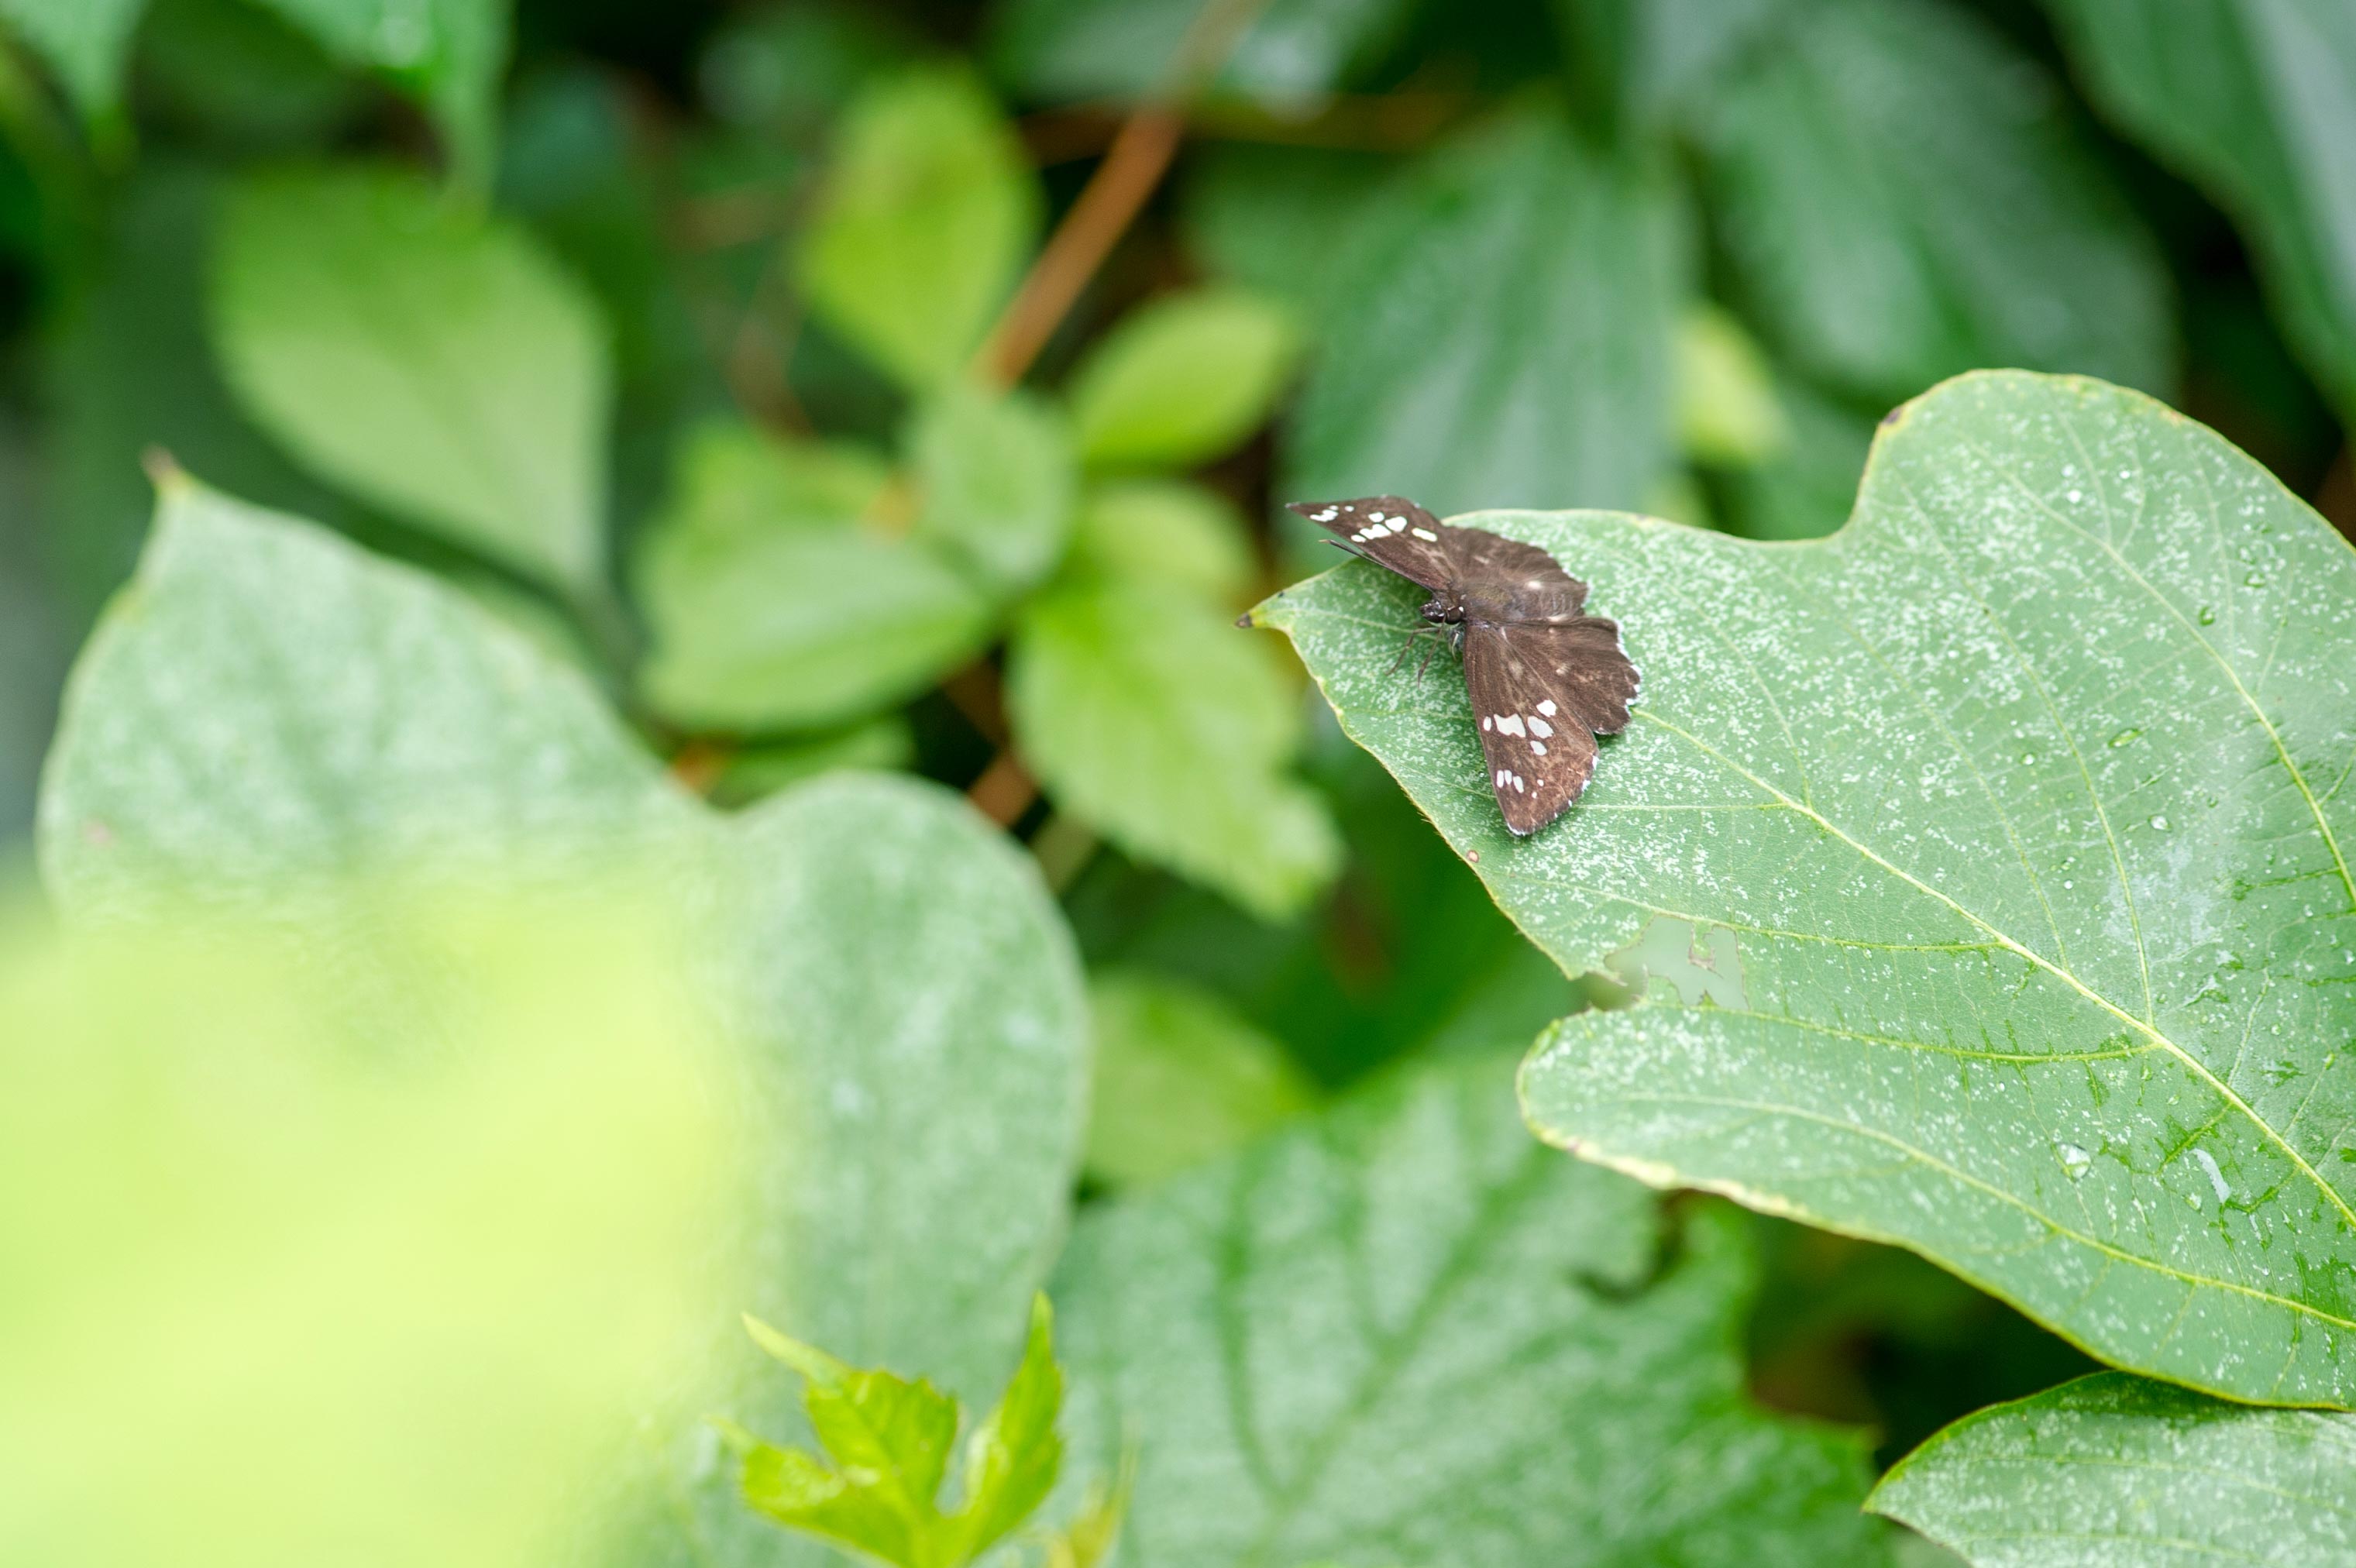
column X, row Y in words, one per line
column 639, row 387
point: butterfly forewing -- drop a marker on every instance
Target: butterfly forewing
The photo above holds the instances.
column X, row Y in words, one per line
column 1391, row 532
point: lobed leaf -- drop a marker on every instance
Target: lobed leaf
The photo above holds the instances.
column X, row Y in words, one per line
column 434, row 363
column 2116, row 1470
column 2006, row 827
column 1404, row 1334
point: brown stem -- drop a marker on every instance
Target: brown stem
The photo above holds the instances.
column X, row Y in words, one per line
column 1140, row 156
column 1004, row 791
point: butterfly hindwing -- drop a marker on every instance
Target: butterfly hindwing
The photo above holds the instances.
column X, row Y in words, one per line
column 1540, row 694
column 1391, row 532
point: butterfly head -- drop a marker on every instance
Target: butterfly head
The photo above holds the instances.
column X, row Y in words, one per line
column 1445, row 608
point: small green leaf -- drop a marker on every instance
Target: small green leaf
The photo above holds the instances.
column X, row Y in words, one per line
column 1013, row 1456
column 929, row 212
column 1180, row 1080
column 436, row 364
column 998, row 478
column 1184, row 380
column 750, row 575
column 1401, row 1334
column 86, row 42
column 448, row 55
column 893, row 1436
column 2007, row 830
column 794, row 1489
column 1501, row 331
column 1905, row 198
column 2138, row 1474
column 1726, row 409
column 2254, row 101
column 1165, row 531
column 1148, row 715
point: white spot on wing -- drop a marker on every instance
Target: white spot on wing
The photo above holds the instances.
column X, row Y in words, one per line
column 1487, row 723
column 1427, row 535
column 1541, row 729
column 1546, row 707
column 1510, row 724
column 1539, row 747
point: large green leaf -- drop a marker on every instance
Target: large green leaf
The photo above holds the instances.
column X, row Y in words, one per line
column 928, row 214
column 2006, row 827
column 447, row 54
column 1499, row 331
column 437, row 364
column 1146, row 716
column 267, row 705
column 778, row 599
column 2120, row 1471
column 86, row 42
column 2256, row 99
column 1905, row 199
column 1406, row 1334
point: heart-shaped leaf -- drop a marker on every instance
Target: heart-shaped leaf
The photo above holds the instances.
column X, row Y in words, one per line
column 2132, row 1474
column 1405, row 1333
column 268, row 708
column 2007, row 829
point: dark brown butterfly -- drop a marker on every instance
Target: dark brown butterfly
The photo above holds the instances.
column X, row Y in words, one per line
column 1545, row 678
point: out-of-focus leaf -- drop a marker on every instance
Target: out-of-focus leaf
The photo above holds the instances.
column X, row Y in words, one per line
column 1180, row 1079
column 86, row 42
column 267, row 706
column 998, row 478
column 448, row 55
column 1145, row 713
column 1165, row 531
column 1401, row 1334
column 1501, row 332
column 432, row 363
column 2003, row 829
column 2256, row 99
column 286, row 1290
column 2132, row 1474
column 236, row 74
column 1650, row 59
column 1184, row 380
column 1271, row 219
column 879, row 745
column 787, row 72
column 778, row 599
column 1728, row 413
column 1905, row 199
column 129, row 370
column 929, row 212
column 1805, row 490
column 1292, row 52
